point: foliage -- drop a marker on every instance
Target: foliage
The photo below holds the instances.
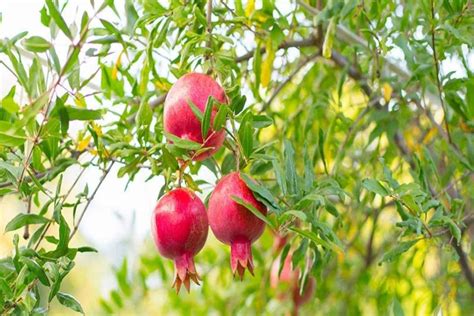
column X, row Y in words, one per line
column 359, row 134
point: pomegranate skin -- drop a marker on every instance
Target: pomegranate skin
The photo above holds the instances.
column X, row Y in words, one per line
column 180, row 120
column 179, row 229
column 232, row 223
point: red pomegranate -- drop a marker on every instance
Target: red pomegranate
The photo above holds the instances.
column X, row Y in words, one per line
column 289, row 279
column 180, row 120
column 232, row 223
column 179, row 228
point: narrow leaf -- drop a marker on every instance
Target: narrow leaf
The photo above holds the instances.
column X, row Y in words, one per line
column 252, row 209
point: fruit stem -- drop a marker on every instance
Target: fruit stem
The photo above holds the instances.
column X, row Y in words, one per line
column 181, row 172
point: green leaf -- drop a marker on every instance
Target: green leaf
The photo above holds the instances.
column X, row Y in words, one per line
column 36, row 44
column 238, row 104
column 398, row 250
column 375, row 186
column 397, row 308
column 144, row 114
column 329, row 38
column 206, row 119
column 34, row 267
column 454, row 229
column 182, row 143
column 246, row 135
column 321, row 149
column 58, row 19
column 299, row 214
column 24, row 219
column 30, row 111
column 314, row 238
column 257, row 66
column 261, row 193
column 290, row 168
column 220, row 118
column 8, row 102
column 69, row 301
column 169, row 161
column 252, row 209
column 280, row 177
column 228, row 165
column 9, row 136
column 262, row 121
column 86, row 249
column 195, row 110
column 283, row 255
column 80, row 114
column 72, row 60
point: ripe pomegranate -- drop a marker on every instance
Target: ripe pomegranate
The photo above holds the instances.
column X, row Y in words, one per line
column 179, row 228
column 289, row 279
column 180, row 120
column 232, row 223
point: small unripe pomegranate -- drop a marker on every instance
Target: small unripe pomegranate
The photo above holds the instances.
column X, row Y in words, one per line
column 179, row 228
column 180, row 120
column 289, row 278
column 232, row 223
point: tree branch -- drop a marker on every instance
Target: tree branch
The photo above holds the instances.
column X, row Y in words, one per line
column 305, row 42
column 438, row 81
column 288, row 79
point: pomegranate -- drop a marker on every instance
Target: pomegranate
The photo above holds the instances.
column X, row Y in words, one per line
column 179, row 118
column 179, row 228
column 289, row 279
column 232, row 223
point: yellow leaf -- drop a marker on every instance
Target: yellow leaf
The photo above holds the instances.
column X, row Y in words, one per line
column 410, row 139
column 329, row 39
column 97, row 128
column 250, row 8
column 83, row 143
column 117, row 65
column 93, row 152
column 162, row 86
column 429, row 136
column 267, row 65
column 80, row 101
column 387, row 91
column 260, row 17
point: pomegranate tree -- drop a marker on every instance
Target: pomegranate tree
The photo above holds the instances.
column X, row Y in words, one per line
column 232, row 223
column 180, row 227
column 181, row 121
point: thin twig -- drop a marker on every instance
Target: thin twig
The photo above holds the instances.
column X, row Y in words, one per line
column 438, row 80
column 288, row 79
column 306, row 42
column 209, row 24
column 89, row 200
column 45, row 231
column 26, row 234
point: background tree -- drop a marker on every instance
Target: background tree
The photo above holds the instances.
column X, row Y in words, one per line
column 356, row 118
